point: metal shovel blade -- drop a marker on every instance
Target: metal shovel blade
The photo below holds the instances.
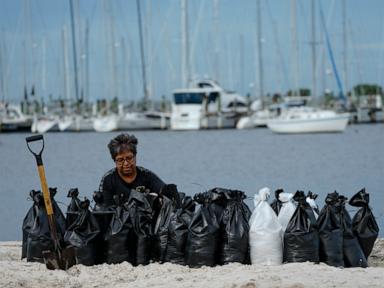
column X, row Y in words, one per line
column 62, row 260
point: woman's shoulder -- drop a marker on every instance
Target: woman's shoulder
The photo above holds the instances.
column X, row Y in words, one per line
column 109, row 173
column 143, row 170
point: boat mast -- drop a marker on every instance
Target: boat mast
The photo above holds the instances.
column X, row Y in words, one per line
column 144, row 74
column 216, row 39
column 43, row 84
column 2, row 72
column 313, row 42
column 295, row 49
column 65, row 58
column 87, row 60
column 345, row 66
column 74, row 50
column 185, row 77
column 260, row 52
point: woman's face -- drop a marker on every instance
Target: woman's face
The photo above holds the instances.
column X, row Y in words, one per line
column 126, row 163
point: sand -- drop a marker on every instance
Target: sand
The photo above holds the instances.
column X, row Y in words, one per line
column 19, row 273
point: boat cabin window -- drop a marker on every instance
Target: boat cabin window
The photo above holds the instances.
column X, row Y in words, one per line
column 194, row 98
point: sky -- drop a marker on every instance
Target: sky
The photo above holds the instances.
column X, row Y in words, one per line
column 36, row 46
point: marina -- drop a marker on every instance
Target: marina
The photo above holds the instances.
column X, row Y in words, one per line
column 197, row 161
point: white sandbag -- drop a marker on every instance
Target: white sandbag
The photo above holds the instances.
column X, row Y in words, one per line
column 287, row 209
column 265, row 234
column 313, row 205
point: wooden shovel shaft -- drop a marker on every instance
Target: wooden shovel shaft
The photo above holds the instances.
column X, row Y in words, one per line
column 46, row 194
column 48, row 207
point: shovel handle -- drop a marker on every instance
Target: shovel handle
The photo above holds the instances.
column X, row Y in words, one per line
column 34, row 138
column 38, row 157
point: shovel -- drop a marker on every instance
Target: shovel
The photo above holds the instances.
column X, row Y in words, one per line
column 59, row 258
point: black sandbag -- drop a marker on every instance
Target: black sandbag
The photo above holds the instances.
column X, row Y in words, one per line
column 301, row 238
column 82, row 235
column 120, row 238
column 178, row 230
column 103, row 215
column 204, row 231
column 276, row 203
column 170, row 191
column 73, row 207
column 353, row 254
column 234, row 244
column 163, row 207
column 140, row 209
column 36, row 231
column 330, row 233
column 364, row 224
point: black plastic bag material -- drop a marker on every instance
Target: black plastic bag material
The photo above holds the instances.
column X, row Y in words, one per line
column 353, row 254
column 120, row 239
column 73, row 207
column 204, row 231
column 36, row 232
column 140, row 209
column 364, row 224
column 82, row 235
column 234, row 244
column 301, row 238
column 171, row 192
column 164, row 207
column 178, row 230
column 276, row 203
column 99, row 202
column 330, row 233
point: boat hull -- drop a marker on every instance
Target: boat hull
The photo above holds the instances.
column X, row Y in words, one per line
column 321, row 125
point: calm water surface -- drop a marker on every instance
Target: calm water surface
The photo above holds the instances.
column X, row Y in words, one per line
column 196, row 161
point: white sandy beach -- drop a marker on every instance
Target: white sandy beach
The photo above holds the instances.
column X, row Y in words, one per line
column 19, row 273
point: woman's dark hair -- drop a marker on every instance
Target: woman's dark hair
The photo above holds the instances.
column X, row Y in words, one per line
column 122, row 142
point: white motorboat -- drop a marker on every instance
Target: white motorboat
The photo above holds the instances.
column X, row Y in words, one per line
column 309, row 120
column 206, row 106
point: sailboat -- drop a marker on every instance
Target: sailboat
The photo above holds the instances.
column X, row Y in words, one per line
column 309, row 119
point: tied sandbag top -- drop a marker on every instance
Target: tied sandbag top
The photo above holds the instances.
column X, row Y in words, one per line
column 276, row 203
column 360, row 199
column 285, row 197
column 262, row 196
column 74, row 205
column 278, row 192
column 215, row 195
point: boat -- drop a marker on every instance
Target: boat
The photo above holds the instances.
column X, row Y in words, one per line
column 13, row 119
column 308, row 120
column 260, row 117
column 76, row 123
column 106, row 123
column 206, row 106
column 44, row 123
column 135, row 120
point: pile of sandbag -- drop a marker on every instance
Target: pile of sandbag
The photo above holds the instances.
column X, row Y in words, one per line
column 214, row 227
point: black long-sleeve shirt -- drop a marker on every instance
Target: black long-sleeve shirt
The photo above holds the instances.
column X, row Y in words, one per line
column 112, row 184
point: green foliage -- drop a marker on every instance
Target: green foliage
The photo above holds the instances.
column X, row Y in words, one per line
column 367, row 89
column 302, row 92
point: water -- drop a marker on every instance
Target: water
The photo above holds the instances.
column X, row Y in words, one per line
column 196, row 161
